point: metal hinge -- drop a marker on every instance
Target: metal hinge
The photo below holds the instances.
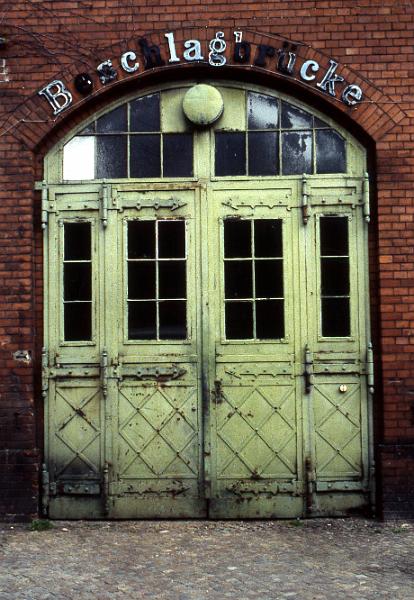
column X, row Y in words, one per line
column 308, row 372
column 305, row 200
column 104, row 204
column 45, row 372
column 217, row 393
column 370, row 368
column 47, row 206
column 172, row 203
column 365, row 197
column 104, row 372
column 45, row 491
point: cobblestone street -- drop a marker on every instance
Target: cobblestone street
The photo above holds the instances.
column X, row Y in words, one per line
column 186, row 560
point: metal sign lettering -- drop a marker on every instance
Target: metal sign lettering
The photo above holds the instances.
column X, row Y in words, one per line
column 216, row 53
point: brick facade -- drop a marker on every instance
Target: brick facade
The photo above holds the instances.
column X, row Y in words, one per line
column 371, row 41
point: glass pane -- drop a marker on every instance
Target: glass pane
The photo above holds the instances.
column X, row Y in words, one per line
column 173, row 319
column 77, row 241
column 238, row 279
column 268, row 238
column 113, row 122
column 269, row 278
column 111, row 156
column 172, row 279
column 77, row 281
column 263, row 111
column 79, row 158
column 237, row 238
column 296, row 153
column 269, row 319
column 141, row 280
column 239, row 320
column 263, row 153
column 142, row 320
column 171, row 239
column 141, row 239
column 145, row 156
column 330, row 152
column 295, row 118
column 88, row 129
column 334, row 236
column 335, row 276
column 319, row 123
column 336, row 320
column 230, row 154
column 78, row 321
column 178, row 155
column 145, row 113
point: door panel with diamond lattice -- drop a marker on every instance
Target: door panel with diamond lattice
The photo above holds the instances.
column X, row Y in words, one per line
column 256, row 413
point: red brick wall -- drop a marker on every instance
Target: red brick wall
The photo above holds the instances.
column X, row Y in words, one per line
column 373, row 38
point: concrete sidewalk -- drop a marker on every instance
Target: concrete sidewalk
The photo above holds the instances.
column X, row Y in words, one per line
column 185, row 560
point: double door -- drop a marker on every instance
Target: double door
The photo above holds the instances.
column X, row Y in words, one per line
column 206, row 350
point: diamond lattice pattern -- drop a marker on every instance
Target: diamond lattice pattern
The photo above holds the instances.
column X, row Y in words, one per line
column 158, row 432
column 257, row 432
column 78, row 431
column 338, row 431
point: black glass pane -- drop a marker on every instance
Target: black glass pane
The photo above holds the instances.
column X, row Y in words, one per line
column 78, row 321
column 142, row 320
column 268, row 238
column 334, row 236
column 230, row 154
column 239, row 320
column 88, row 129
column 319, row 123
column 77, row 281
column 178, row 155
column 270, row 321
column 238, row 279
column 269, row 278
column 171, row 239
column 172, row 279
column 263, row 153
column 111, row 156
column 173, row 320
column 145, row 113
column 295, row 118
column 145, row 155
column 237, row 238
column 296, row 153
column 113, row 122
column 141, row 280
column 77, row 241
column 330, row 152
column 263, row 111
column 335, row 276
column 141, row 239
column 335, row 317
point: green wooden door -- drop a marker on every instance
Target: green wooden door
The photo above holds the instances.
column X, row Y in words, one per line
column 289, row 355
column 207, row 339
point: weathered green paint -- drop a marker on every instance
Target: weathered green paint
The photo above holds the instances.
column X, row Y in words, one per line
column 229, row 429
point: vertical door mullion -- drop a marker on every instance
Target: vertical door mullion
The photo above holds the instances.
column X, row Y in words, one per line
column 112, row 324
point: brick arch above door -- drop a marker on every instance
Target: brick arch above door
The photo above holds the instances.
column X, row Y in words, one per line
column 375, row 115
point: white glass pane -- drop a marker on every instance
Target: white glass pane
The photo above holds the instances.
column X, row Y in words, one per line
column 79, row 158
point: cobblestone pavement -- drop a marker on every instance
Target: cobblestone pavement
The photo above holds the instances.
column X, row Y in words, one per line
column 185, row 560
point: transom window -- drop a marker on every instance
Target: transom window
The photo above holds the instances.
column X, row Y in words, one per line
column 128, row 143
column 281, row 139
column 258, row 135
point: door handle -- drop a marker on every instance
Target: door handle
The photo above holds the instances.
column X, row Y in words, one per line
column 308, row 373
